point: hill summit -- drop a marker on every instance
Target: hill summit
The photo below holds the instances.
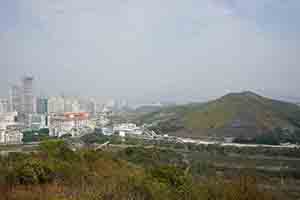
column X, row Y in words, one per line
column 244, row 115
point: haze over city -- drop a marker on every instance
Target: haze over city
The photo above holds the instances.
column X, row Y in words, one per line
column 150, row 99
column 152, row 50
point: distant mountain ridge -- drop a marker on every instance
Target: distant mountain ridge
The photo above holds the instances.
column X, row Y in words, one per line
column 244, row 114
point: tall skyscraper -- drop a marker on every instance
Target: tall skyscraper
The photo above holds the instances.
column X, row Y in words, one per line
column 4, row 106
column 15, row 99
column 42, row 105
column 28, row 98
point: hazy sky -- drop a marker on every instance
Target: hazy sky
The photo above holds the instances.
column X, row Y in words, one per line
column 152, row 49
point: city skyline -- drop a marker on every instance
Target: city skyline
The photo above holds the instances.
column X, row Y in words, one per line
column 135, row 102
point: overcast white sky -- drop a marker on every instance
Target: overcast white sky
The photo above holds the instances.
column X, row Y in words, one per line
column 145, row 50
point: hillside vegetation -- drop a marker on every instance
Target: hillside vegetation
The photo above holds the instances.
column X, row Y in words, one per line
column 57, row 173
column 243, row 115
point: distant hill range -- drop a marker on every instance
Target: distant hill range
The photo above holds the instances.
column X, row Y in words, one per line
column 238, row 115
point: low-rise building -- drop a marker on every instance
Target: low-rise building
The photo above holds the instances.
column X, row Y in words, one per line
column 7, row 119
column 127, row 129
column 107, row 131
column 67, row 123
column 37, row 121
column 12, row 134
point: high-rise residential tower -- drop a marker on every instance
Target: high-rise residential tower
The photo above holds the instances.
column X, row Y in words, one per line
column 4, row 106
column 15, row 98
column 42, row 105
column 28, row 102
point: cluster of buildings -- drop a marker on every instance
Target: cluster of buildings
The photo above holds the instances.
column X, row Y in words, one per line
column 16, row 111
column 23, row 110
column 10, row 129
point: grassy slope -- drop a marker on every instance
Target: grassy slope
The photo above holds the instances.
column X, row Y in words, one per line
column 264, row 112
column 253, row 113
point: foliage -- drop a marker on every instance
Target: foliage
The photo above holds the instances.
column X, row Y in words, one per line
column 56, row 172
column 99, row 139
column 274, row 137
column 33, row 171
column 149, row 157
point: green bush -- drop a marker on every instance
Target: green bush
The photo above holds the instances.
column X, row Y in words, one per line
column 33, row 172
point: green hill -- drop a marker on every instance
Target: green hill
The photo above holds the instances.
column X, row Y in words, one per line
column 243, row 115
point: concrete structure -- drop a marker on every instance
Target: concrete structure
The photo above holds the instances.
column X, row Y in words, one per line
column 4, row 106
column 56, row 105
column 11, row 136
column 111, row 104
column 42, row 105
column 76, row 106
column 72, row 105
column 37, row 121
column 92, row 109
column 102, row 120
column 15, row 98
column 127, row 129
column 7, row 119
column 10, row 130
column 64, row 104
column 89, row 106
column 2, row 136
column 28, row 103
column 68, row 105
column 67, row 123
column 107, row 131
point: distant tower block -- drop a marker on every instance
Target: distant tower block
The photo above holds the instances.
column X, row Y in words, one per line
column 28, row 98
column 15, row 98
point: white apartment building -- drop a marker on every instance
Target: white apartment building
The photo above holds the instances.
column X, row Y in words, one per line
column 76, row 106
column 9, row 129
column 63, row 104
column 56, row 105
column 2, row 136
column 4, row 106
column 88, row 105
column 15, row 97
column 68, row 105
column 11, row 136
column 60, row 124
column 8, row 118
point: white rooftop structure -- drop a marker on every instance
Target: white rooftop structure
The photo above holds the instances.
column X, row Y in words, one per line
column 127, row 128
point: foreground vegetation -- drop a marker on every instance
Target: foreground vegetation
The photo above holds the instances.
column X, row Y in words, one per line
column 56, row 172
